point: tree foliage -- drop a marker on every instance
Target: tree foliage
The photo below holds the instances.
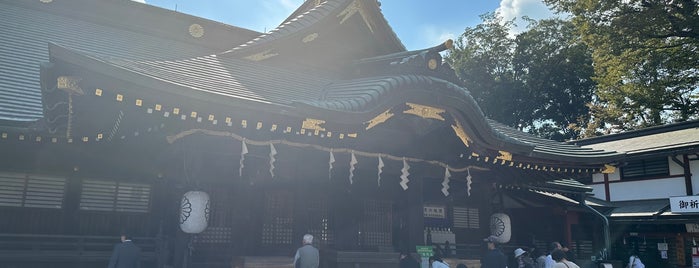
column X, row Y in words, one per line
column 482, row 58
column 539, row 81
column 646, row 60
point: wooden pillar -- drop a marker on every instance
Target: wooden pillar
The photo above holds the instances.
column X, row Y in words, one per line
column 346, row 216
column 571, row 219
column 687, row 175
column 607, row 194
column 416, row 222
column 71, row 205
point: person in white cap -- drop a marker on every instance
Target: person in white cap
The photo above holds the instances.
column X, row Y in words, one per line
column 522, row 259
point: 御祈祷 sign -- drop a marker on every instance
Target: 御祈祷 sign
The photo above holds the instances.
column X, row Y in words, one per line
column 434, row 212
column 684, row 204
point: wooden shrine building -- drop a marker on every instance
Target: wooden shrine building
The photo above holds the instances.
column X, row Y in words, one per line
column 110, row 111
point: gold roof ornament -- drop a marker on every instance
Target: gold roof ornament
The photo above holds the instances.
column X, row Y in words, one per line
column 313, row 124
column 196, row 30
column 507, row 156
column 381, row 118
column 70, row 84
column 608, row 169
column 459, row 131
column 424, row 111
column 353, row 8
column 432, row 64
column 310, row 37
column 262, row 55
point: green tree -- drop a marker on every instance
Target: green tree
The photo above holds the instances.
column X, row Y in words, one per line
column 646, row 59
column 482, row 58
column 556, row 71
column 539, row 81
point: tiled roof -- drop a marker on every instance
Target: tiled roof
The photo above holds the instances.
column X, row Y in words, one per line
column 639, row 208
column 664, row 138
column 311, row 17
column 232, row 78
column 551, row 148
column 363, row 94
column 300, row 22
column 240, row 79
column 26, row 32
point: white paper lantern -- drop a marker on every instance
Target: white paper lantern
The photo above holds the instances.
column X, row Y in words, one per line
column 194, row 216
column 500, row 227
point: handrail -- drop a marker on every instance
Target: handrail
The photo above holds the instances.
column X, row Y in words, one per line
column 22, row 245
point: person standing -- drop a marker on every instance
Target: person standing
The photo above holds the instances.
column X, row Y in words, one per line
column 125, row 254
column 307, row 256
column 634, row 261
column 407, row 261
column 539, row 258
column 549, row 259
column 522, row 259
column 436, row 262
column 559, row 256
column 493, row 258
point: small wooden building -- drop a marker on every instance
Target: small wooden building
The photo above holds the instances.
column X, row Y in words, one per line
column 112, row 110
column 660, row 173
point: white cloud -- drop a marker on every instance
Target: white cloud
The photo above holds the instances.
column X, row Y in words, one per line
column 535, row 9
column 433, row 35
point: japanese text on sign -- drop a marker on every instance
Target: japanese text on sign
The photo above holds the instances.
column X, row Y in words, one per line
column 684, row 204
column 433, row 212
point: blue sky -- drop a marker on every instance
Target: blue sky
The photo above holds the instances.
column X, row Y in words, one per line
column 418, row 23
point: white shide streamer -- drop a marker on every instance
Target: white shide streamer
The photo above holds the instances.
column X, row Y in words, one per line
column 243, row 152
column 272, row 159
column 353, row 163
column 445, row 183
column 380, row 168
column 330, row 164
column 468, row 182
column 404, row 175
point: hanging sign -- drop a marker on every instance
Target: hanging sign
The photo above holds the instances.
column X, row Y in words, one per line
column 424, row 251
column 434, row 212
column 684, row 204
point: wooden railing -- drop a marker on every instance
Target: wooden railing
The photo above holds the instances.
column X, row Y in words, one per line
column 20, row 248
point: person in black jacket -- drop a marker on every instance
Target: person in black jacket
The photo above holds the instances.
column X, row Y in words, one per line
column 407, row 261
column 493, row 258
column 125, row 254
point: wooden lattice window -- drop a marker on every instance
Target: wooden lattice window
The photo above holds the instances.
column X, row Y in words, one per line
column 465, row 217
column 646, row 168
column 376, row 223
column 21, row 190
column 115, row 196
column 219, row 230
column 320, row 223
column 214, row 235
column 277, row 226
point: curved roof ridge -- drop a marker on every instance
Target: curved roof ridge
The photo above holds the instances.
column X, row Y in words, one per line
column 221, row 76
column 287, row 28
column 367, row 96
